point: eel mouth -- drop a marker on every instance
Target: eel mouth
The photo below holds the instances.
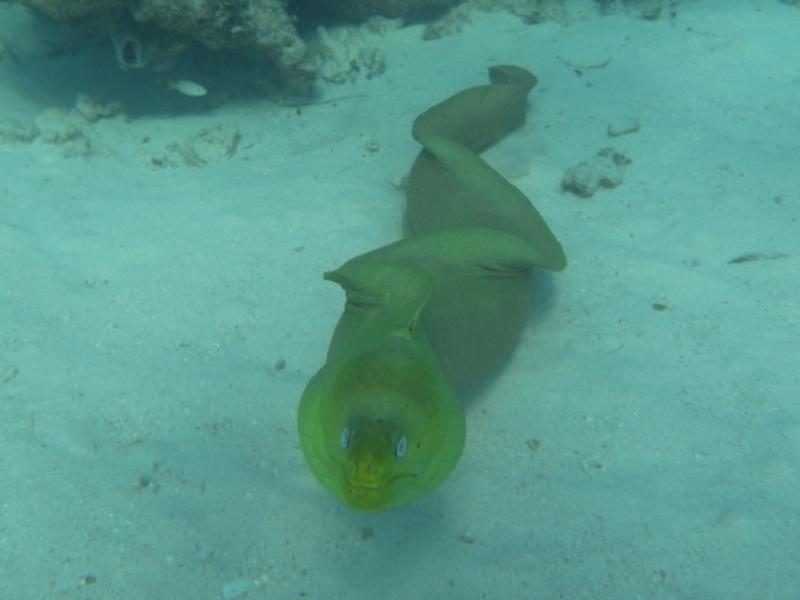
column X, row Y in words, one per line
column 369, row 484
column 367, row 495
column 371, row 494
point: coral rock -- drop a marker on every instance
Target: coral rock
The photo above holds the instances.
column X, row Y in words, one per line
column 66, row 10
column 361, row 10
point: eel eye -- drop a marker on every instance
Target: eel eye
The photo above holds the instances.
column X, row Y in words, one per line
column 400, row 448
column 344, row 438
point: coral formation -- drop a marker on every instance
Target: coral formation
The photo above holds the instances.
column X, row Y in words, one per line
column 67, row 10
column 68, row 131
column 646, row 9
column 14, row 132
column 154, row 33
column 361, row 10
column 343, row 54
column 603, row 170
column 530, row 11
column 263, row 29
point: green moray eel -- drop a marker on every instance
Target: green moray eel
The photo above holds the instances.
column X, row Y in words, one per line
column 380, row 423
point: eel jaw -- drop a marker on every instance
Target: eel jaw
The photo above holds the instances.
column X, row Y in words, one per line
column 370, row 471
column 368, row 495
column 367, row 478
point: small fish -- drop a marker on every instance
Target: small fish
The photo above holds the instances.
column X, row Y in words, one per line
column 188, row 88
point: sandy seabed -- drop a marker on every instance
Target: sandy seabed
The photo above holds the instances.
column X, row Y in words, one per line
column 159, row 320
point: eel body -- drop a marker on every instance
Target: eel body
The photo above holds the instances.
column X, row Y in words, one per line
column 380, row 423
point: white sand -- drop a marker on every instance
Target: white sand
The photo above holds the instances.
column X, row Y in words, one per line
column 148, row 439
